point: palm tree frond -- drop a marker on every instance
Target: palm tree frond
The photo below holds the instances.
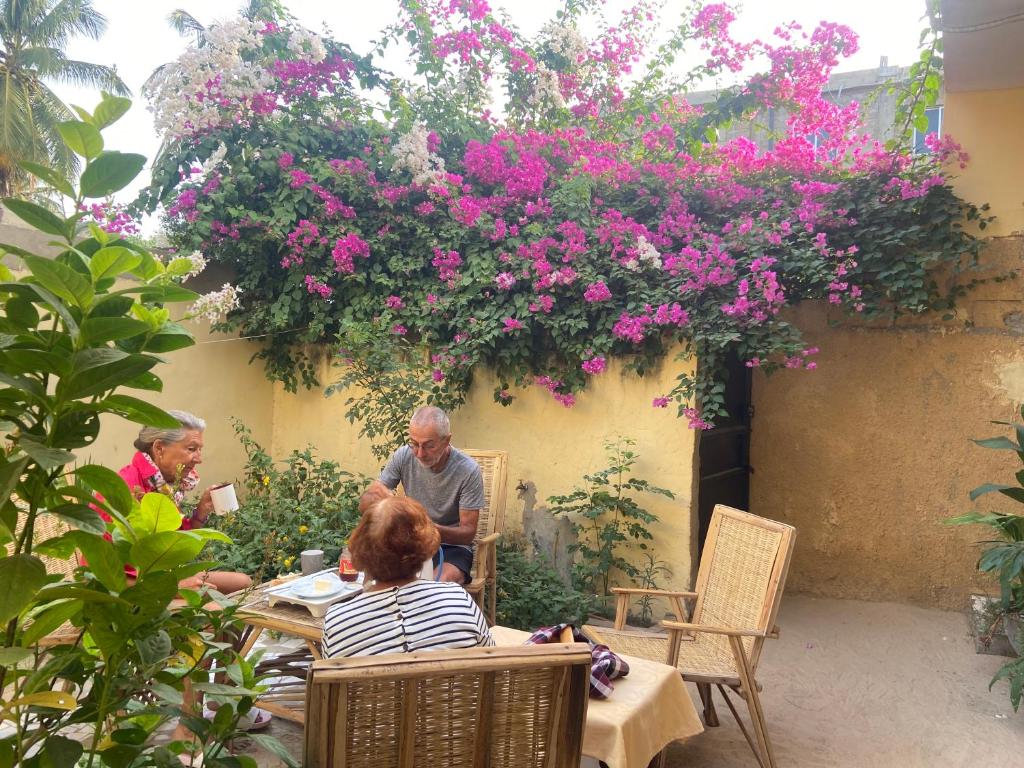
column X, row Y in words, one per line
column 67, row 19
column 187, row 25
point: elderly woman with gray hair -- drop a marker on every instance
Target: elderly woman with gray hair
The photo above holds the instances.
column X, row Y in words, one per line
column 165, row 461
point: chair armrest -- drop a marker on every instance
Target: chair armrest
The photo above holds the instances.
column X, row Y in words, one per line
column 655, row 592
column 486, row 565
column 622, row 595
column 685, row 627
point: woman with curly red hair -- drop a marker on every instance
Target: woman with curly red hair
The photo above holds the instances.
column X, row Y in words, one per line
column 397, row 611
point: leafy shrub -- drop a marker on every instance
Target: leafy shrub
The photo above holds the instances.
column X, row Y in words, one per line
column 531, row 593
column 304, row 502
column 72, row 343
column 608, row 524
column 1003, row 555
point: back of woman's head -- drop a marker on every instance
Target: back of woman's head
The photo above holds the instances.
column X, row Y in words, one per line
column 393, row 538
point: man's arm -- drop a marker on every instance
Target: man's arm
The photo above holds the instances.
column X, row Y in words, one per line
column 464, row 532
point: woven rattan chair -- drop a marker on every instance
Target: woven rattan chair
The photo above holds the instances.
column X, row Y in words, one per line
column 48, row 527
column 739, row 588
column 506, row 707
column 483, row 584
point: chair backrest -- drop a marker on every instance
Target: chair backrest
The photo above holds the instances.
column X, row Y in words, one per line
column 46, row 527
column 741, row 575
column 494, row 467
column 506, row 707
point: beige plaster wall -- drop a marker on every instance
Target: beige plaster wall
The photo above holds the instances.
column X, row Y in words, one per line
column 549, row 446
column 871, row 452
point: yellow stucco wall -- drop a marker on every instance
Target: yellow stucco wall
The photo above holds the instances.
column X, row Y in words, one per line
column 988, row 125
column 548, row 445
column 871, row 452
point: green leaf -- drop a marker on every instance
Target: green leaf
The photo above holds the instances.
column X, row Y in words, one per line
column 110, row 172
column 171, row 337
column 98, row 330
column 107, row 483
column 50, row 619
column 60, row 752
column 156, row 513
column 100, row 370
column 21, row 311
column 165, row 550
column 154, row 648
column 61, row 280
column 46, row 457
column 82, row 139
column 102, row 558
column 81, row 517
column 22, row 576
column 50, row 176
column 11, row 656
column 998, row 443
column 166, row 693
column 112, row 261
column 37, row 217
column 147, row 381
column 110, row 110
column 10, row 474
column 275, row 747
column 139, row 411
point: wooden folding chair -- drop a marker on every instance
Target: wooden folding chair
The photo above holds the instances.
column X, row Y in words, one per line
column 503, row 707
column 739, row 588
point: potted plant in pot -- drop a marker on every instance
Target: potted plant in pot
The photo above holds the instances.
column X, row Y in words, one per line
column 1003, row 555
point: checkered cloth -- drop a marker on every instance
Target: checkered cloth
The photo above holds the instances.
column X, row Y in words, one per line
column 605, row 666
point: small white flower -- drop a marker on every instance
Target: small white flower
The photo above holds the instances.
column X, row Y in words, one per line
column 411, row 154
column 307, row 45
column 198, row 264
column 215, row 306
column 214, row 160
column 546, row 89
column 565, row 41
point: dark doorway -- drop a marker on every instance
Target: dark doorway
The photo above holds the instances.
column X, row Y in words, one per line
column 725, row 452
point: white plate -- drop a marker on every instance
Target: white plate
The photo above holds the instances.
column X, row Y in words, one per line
column 306, row 589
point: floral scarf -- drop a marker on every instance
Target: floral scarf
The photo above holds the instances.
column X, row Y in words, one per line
column 153, row 479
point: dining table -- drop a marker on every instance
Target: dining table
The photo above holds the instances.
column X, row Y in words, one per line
column 648, row 708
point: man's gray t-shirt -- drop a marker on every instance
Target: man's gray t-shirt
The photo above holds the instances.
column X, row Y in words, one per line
column 460, row 485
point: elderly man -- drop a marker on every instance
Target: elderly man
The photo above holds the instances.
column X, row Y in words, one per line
column 445, row 481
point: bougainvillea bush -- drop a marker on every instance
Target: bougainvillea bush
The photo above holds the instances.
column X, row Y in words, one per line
column 589, row 213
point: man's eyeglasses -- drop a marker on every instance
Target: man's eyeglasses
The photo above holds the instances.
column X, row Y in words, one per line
column 426, row 445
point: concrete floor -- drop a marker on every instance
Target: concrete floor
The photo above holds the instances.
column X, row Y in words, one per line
column 851, row 684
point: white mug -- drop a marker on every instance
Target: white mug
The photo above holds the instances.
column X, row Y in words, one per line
column 224, row 499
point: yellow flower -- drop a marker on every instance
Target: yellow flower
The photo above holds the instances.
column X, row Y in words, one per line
column 303, row 529
column 266, row 480
column 288, row 562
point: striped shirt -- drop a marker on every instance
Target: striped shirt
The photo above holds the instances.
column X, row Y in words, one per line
column 420, row 616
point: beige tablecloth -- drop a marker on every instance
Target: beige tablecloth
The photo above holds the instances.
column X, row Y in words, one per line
column 648, row 709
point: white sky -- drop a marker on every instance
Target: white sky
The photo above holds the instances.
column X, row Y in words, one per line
column 138, row 39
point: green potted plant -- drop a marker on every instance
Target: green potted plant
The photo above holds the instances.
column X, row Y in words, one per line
column 1003, row 555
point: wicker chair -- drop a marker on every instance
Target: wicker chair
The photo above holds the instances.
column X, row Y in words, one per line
column 483, row 582
column 48, row 527
column 507, row 707
column 739, row 587
column 494, row 467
